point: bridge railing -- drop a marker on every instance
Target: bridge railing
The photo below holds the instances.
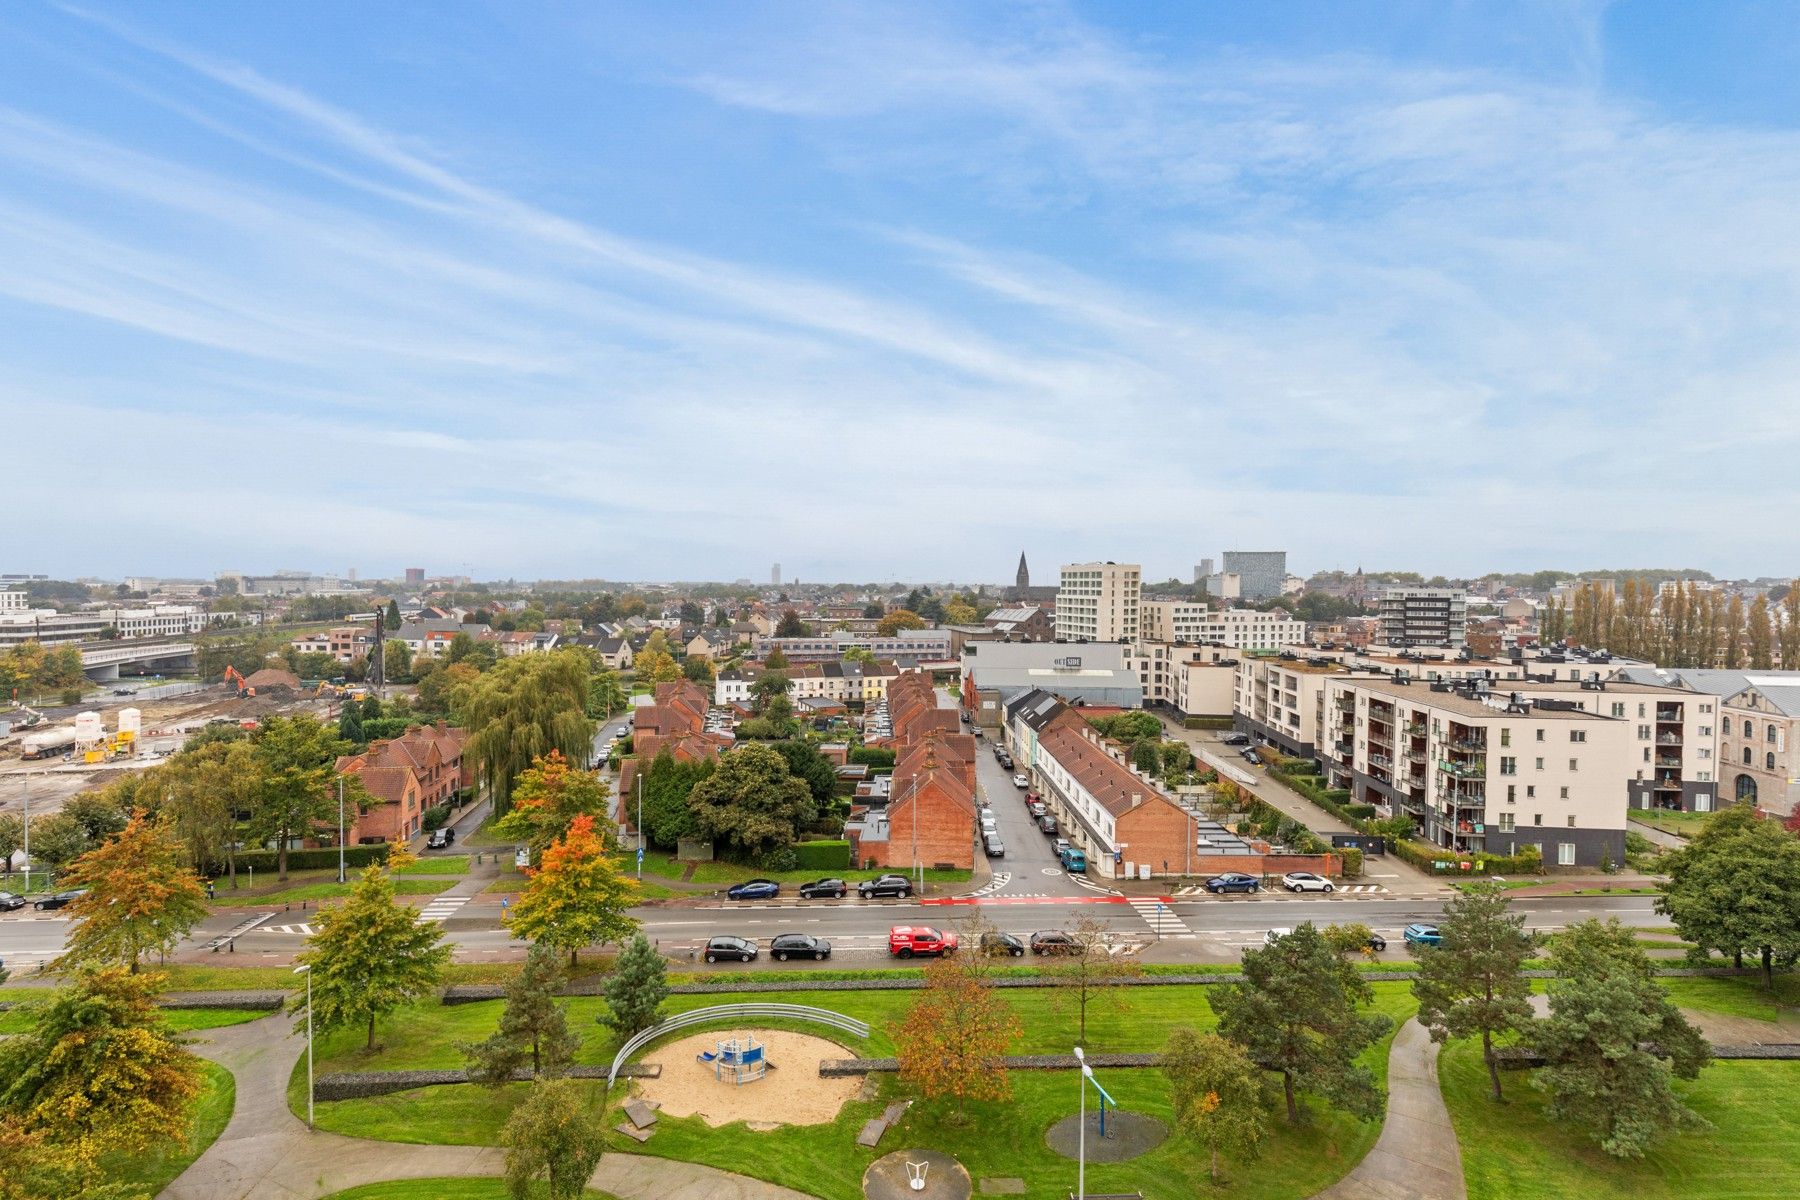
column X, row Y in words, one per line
column 734, row 1012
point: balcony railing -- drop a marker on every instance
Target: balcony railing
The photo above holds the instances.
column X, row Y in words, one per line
column 1468, row 745
column 1664, row 761
column 1666, row 717
column 1469, row 770
column 1416, row 728
column 1668, row 739
column 1382, row 761
column 1415, row 756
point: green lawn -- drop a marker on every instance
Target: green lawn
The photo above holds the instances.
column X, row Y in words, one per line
column 153, row 1172
column 1511, row 1152
column 441, row 864
column 440, row 1189
column 331, row 890
column 1736, row 995
column 664, row 865
column 1684, row 824
column 18, row 1019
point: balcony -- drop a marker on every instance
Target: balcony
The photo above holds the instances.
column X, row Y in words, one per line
column 1416, row 728
column 1668, row 739
column 1346, row 704
column 1415, row 756
column 1468, row 745
column 1461, row 770
column 1665, row 761
column 1667, row 716
column 1382, row 761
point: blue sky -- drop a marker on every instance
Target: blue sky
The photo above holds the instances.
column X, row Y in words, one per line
column 652, row 291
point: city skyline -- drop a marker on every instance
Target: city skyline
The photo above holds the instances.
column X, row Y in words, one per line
column 529, row 293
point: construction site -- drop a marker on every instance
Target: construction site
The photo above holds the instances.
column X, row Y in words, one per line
column 58, row 753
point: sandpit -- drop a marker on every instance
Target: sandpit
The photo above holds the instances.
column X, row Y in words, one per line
column 792, row 1093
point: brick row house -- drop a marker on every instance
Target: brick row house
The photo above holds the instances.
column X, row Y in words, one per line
column 928, row 818
column 1115, row 816
column 405, row 776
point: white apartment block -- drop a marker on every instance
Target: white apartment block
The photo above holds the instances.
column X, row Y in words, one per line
column 1488, row 769
column 20, row 623
column 1413, row 616
column 1238, row 628
column 1098, row 602
column 1194, row 680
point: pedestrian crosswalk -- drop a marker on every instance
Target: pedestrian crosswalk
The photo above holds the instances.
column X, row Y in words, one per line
column 1161, row 918
column 442, row 908
column 1000, row 880
column 1275, row 892
column 302, row 930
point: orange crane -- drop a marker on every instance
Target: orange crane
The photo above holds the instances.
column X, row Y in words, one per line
column 243, row 689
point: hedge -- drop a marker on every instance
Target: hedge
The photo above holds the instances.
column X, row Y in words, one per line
column 1427, row 858
column 822, row 856
column 1207, row 723
column 872, row 756
column 299, row 860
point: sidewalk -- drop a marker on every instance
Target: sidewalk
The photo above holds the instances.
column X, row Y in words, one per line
column 1416, row 1157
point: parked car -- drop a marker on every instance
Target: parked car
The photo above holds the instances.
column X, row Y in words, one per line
column 1054, row 941
column 440, row 839
column 993, row 845
column 996, row 944
column 725, row 947
column 1037, row 810
column 989, row 823
column 1236, row 739
column 9, row 902
column 905, row 941
column 58, row 899
column 1047, row 823
column 1251, row 757
column 885, row 885
column 824, row 889
column 1422, row 935
column 1232, row 881
column 1019, row 781
column 754, row 889
column 1073, row 860
column 1377, row 943
column 1306, row 881
column 1060, row 845
column 799, row 945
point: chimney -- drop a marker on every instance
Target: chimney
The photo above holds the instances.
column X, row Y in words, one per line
column 1136, row 799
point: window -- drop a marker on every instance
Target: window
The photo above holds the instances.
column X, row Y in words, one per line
column 1574, row 764
column 1530, row 790
column 1509, row 766
column 1540, row 764
column 1769, row 761
column 1505, row 736
column 1705, row 731
column 1565, row 796
column 1571, row 822
column 1565, row 854
column 1537, row 818
column 1506, row 822
column 1771, row 734
column 1706, row 708
column 1640, row 712
column 1512, row 793
column 1618, row 708
column 1578, row 735
column 1643, row 733
column 1748, row 758
column 1540, row 733
column 1646, row 754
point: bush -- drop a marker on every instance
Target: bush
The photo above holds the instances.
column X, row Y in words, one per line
column 71, row 696
column 1353, row 861
column 1360, row 812
column 782, row 859
column 1427, row 858
column 435, row 816
column 1224, row 723
column 872, row 757
column 822, row 856
column 324, row 856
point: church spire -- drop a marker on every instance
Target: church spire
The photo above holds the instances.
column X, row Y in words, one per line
column 1024, row 576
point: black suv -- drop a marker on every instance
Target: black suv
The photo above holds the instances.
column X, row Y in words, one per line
column 1002, row 943
column 799, row 945
column 830, row 889
column 885, row 885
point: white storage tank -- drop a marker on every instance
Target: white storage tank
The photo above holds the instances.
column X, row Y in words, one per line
column 88, row 729
column 131, row 721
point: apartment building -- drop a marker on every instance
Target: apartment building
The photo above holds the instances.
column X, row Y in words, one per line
column 849, row 682
column 927, row 645
column 346, row 643
column 1088, row 673
column 1481, row 769
column 1194, row 680
column 1238, row 628
column 1119, row 819
column 1434, row 617
column 1262, row 574
column 1758, row 727
column 1098, row 602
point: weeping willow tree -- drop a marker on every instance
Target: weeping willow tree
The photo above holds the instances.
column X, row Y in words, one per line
column 522, row 710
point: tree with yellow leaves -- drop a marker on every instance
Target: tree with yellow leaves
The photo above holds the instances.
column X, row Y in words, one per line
column 1217, row 1094
column 142, row 896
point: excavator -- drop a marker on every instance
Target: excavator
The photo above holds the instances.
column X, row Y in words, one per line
column 233, row 677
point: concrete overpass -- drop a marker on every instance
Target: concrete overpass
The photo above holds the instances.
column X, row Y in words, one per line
column 173, row 656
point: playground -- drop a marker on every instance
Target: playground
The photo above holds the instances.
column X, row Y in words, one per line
column 781, row 1085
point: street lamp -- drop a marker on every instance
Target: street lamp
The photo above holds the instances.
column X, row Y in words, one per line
column 340, row 829
column 1087, row 1073
column 306, row 970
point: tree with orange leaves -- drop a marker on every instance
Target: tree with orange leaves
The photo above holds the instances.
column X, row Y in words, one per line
column 142, row 896
column 953, row 1040
column 546, row 800
column 577, row 895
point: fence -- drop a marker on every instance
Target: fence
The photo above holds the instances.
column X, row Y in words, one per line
column 733, row 1012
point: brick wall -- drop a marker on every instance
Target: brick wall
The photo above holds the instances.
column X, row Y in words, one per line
column 1268, row 864
column 1156, row 833
column 946, row 831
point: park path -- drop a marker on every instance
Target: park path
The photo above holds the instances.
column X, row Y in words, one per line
column 1416, row 1157
column 267, row 1153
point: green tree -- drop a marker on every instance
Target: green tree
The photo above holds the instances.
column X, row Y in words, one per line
column 553, row 1142
column 1146, row 757
column 667, row 782
column 142, row 896
column 369, row 956
column 1297, row 1014
column 350, row 724
column 636, row 988
column 396, row 660
column 1474, row 982
column 776, row 660
column 750, row 803
column 296, row 759
column 769, row 686
column 1735, row 889
column 698, row 670
column 804, row 762
column 546, row 800
column 57, row 839
column 99, row 1069
column 521, row 711
column 1217, row 1094
column 99, row 814
column 1092, row 973
column 534, row 1029
column 606, row 695
column 12, row 838
column 577, row 896
column 790, row 625
column 1612, row 1042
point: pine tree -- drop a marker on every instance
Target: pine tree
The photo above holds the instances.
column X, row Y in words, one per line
column 142, row 896
column 1473, row 981
column 369, row 956
column 533, row 1031
column 636, row 988
column 350, row 726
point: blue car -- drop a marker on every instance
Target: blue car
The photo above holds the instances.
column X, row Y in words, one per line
column 754, row 889
column 1232, row 881
column 1423, row 935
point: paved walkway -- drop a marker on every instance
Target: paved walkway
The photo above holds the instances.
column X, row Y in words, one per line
column 266, row 1153
column 1416, row 1157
